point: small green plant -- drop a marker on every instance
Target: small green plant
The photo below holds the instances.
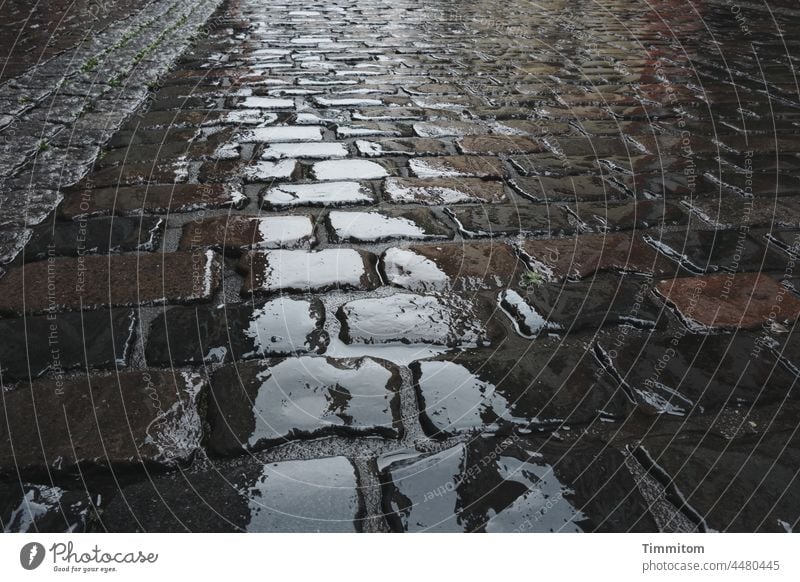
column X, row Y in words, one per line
column 43, row 145
column 531, row 279
column 89, row 65
column 115, row 81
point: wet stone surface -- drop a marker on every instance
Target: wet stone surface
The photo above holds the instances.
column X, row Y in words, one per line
column 92, row 339
column 287, row 271
column 264, row 403
column 32, row 508
column 398, row 266
column 696, row 374
column 497, row 485
column 319, row 495
column 48, row 432
column 280, row 327
column 551, row 384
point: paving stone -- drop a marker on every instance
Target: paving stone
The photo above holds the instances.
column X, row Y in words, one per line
column 508, row 220
column 415, row 224
column 584, row 255
column 238, row 232
column 389, row 114
column 101, row 236
column 264, row 171
column 642, row 214
column 260, row 404
column 740, row 485
column 730, row 301
column 93, row 281
column 311, row 150
column 280, row 327
column 708, row 251
column 58, row 342
column 368, row 129
column 410, row 319
column 281, row 134
column 437, row 129
column 287, row 271
column 497, row 485
column 546, row 386
column 694, row 373
column 348, row 170
column 151, row 199
column 436, row 191
column 567, row 189
column 322, row 194
column 139, row 174
column 572, row 306
column 35, row 508
column 460, row 267
column 733, row 212
column 495, row 145
column 318, row 495
column 457, row 166
column 401, row 147
column 46, row 428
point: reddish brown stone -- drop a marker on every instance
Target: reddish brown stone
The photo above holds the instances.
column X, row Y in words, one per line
column 731, row 301
column 116, row 280
column 150, row 199
column 473, row 266
column 236, row 232
column 585, row 255
column 277, row 271
column 120, row 420
column 498, row 144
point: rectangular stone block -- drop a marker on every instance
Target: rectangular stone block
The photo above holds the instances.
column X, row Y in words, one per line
column 121, row 421
column 117, row 280
column 261, row 404
column 302, row 271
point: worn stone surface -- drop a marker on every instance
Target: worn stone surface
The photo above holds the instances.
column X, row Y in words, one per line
column 67, row 425
column 134, row 200
column 193, row 335
column 694, row 373
column 98, row 236
column 286, row 271
column 259, row 404
column 545, row 207
column 460, row 267
column 585, row 255
column 434, row 191
column 512, row 220
column 495, row 485
column 407, row 318
column 33, row 508
column 457, row 167
column 94, row 281
column 709, row 251
column 91, row 339
column 546, row 385
column 358, row 226
column 319, row 495
column 572, row 306
column 239, row 232
column 741, row 300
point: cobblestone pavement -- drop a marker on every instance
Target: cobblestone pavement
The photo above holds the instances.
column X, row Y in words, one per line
column 405, row 266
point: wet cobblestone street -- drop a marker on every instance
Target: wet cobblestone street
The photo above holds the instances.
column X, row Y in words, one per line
column 402, row 266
